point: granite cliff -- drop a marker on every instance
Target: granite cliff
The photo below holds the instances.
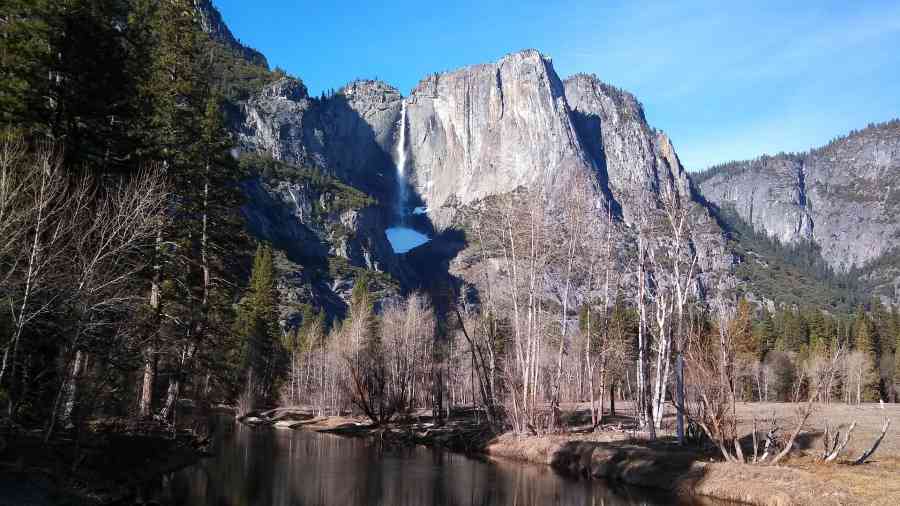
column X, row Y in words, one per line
column 843, row 197
column 470, row 134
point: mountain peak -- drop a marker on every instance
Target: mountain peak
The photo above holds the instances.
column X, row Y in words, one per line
column 212, row 23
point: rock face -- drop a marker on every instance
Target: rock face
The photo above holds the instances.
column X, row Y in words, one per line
column 212, row 23
column 323, row 241
column 632, row 158
column 348, row 135
column 635, row 163
column 477, row 132
column 844, row 196
column 488, row 129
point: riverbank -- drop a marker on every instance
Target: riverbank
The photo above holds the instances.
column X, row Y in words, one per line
column 108, row 463
column 616, row 455
column 463, row 434
column 672, row 469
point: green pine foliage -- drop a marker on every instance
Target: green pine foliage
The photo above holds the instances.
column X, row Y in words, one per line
column 256, row 329
column 25, row 55
column 793, row 274
column 895, row 317
column 129, row 86
column 339, row 197
column 235, row 76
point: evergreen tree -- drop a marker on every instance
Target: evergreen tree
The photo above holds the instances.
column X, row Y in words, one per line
column 25, row 57
column 742, row 330
column 256, row 327
column 764, row 334
column 819, row 331
column 67, row 73
column 863, row 338
column 895, row 318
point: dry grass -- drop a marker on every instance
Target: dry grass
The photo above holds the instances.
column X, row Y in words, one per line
column 617, row 454
column 876, row 482
column 868, row 419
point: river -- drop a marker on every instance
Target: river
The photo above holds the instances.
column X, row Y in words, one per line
column 269, row 467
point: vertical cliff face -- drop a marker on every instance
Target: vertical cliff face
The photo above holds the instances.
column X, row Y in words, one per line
column 635, row 163
column 488, row 129
column 633, row 160
column 348, row 135
column 845, row 196
column 471, row 133
column 773, row 200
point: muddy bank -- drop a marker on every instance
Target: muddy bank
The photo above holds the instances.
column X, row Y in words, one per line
column 673, row 469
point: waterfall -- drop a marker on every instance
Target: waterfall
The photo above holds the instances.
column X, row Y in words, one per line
column 401, row 163
column 403, row 238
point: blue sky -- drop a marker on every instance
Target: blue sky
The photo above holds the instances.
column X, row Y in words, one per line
column 725, row 80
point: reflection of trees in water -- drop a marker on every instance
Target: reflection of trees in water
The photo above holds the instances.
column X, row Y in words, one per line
column 287, row 468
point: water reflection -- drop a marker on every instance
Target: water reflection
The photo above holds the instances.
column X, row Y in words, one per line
column 294, row 468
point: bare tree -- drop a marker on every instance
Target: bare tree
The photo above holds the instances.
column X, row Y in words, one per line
column 113, row 226
column 40, row 196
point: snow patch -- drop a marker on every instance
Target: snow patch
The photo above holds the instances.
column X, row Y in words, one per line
column 403, row 239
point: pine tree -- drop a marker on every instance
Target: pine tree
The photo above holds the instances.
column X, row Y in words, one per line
column 25, row 57
column 67, row 74
column 742, row 330
column 895, row 325
column 819, row 334
column 863, row 339
column 256, row 326
column 764, row 332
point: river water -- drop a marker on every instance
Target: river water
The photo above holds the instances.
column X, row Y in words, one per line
column 268, row 467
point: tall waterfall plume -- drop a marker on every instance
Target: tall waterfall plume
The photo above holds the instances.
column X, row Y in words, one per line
column 401, row 163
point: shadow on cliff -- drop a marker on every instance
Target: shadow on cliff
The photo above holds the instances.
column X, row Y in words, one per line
column 587, row 126
column 351, row 147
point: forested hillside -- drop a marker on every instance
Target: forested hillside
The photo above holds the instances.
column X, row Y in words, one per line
column 843, row 197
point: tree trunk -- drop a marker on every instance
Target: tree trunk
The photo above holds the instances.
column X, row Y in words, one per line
column 146, row 404
column 679, row 398
column 612, row 399
column 72, row 388
column 145, row 408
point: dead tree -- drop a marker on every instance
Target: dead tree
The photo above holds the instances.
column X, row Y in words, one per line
column 871, row 451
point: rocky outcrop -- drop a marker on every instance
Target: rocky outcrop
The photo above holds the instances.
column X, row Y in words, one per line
column 324, row 242
column 774, row 200
column 211, row 22
column 635, row 163
column 488, row 129
column 844, row 196
column 349, row 135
